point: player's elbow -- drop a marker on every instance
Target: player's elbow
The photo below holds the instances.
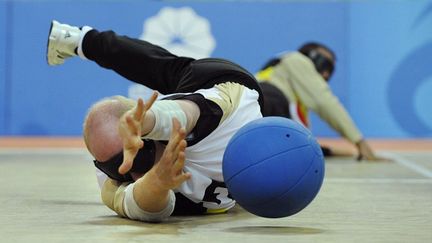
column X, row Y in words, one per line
column 133, row 211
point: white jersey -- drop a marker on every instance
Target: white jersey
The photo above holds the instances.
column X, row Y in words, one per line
column 204, row 159
column 237, row 105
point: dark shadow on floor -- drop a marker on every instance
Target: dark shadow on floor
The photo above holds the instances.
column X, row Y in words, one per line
column 274, row 230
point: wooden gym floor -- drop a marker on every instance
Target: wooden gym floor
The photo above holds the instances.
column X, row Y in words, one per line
column 49, row 193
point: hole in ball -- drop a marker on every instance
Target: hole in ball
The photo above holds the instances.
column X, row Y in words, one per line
column 287, row 135
column 316, row 171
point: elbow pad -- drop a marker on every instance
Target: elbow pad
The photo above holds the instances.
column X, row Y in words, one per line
column 165, row 111
column 133, row 211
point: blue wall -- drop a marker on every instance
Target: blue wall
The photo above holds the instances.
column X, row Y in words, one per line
column 390, row 62
column 3, row 77
column 383, row 74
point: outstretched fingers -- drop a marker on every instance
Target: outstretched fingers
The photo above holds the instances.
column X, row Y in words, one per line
column 179, row 145
column 180, row 176
column 176, row 147
column 150, row 101
column 178, row 135
column 133, row 126
column 142, row 107
column 130, row 131
column 179, row 161
column 131, row 143
column 127, row 162
column 138, row 110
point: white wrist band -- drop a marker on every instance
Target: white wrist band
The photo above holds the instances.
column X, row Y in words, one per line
column 84, row 31
column 165, row 111
column 133, row 211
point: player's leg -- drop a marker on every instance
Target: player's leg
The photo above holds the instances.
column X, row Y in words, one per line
column 207, row 72
column 134, row 59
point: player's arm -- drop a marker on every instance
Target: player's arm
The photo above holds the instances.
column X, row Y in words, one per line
column 152, row 194
column 113, row 193
column 316, row 95
column 151, row 198
column 153, row 120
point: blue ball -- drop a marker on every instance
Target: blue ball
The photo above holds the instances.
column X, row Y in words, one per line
column 273, row 167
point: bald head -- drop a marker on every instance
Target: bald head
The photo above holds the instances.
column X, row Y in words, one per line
column 101, row 127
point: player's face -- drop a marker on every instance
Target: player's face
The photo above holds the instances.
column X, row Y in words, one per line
column 326, row 74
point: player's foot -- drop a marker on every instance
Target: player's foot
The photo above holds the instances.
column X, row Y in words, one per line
column 63, row 41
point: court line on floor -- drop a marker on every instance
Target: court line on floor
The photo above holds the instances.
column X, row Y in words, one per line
column 408, row 164
column 39, row 151
column 398, row 159
column 378, row 180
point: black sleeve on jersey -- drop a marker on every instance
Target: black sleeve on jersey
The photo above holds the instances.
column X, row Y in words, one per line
column 210, row 116
column 186, row 207
column 276, row 104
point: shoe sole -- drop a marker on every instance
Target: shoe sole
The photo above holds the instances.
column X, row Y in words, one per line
column 51, row 56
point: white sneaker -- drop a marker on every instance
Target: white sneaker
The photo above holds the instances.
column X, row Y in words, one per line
column 63, row 41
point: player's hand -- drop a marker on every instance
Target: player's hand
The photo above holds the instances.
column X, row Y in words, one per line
column 130, row 127
column 365, row 152
column 168, row 170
